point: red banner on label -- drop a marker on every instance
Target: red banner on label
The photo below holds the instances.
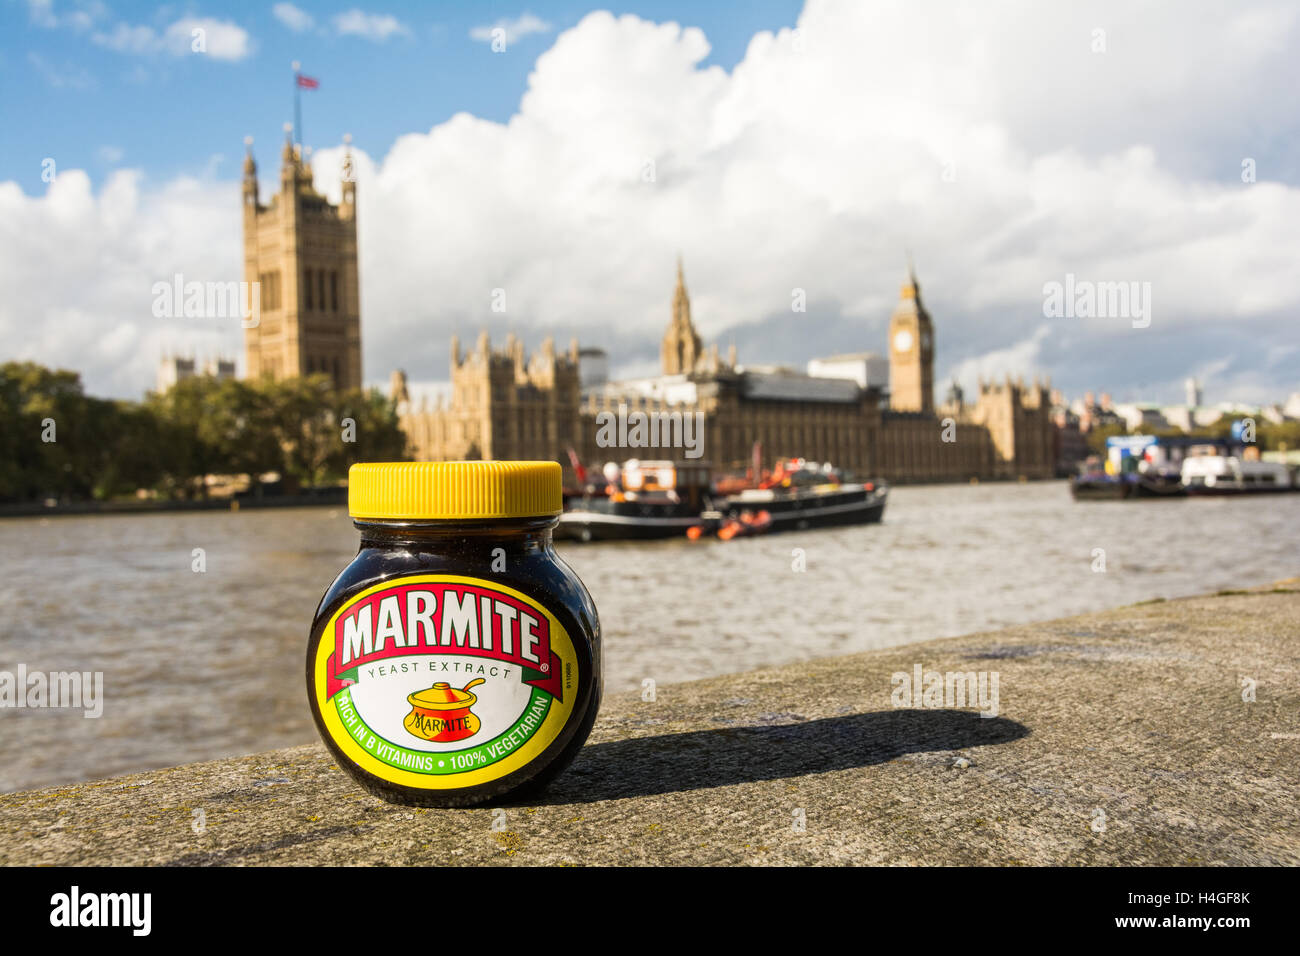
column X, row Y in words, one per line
column 443, row 618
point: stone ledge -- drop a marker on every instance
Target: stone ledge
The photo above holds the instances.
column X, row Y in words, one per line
column 1121, row 738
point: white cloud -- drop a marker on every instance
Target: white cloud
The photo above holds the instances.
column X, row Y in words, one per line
column 64, row 76
column 223, row 40
column 41, row 13
column 1021, row 359
column 111, row 154
column 200, row 36
column 814, row 164
column 82, row 15
column 124, row 38
column 371, row 26
column 116, row 244
column 295, row 19
column 511, row 30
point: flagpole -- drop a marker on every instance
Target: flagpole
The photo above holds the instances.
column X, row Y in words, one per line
column 297, row 104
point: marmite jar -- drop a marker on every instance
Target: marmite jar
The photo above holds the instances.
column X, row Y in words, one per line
column 456, row 659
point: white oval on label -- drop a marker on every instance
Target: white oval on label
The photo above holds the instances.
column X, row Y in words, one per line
column 380, row 693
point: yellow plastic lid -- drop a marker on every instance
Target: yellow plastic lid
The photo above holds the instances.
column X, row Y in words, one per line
column 451, row 490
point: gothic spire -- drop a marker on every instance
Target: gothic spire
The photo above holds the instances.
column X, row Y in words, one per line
column 911, row 288
column 682, row 346
column 288, row 155
column 681, row 301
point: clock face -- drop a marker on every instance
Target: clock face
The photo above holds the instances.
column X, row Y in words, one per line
column 902, row 340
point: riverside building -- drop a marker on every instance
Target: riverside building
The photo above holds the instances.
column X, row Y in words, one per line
column 505, row 404
column 857, row 411
column 301, row 250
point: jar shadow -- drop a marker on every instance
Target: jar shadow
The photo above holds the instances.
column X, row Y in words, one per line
column 723, row 756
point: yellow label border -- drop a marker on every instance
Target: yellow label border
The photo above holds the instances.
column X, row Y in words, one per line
column 542, row 738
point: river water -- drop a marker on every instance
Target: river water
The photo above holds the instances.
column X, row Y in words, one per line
column 203, row 665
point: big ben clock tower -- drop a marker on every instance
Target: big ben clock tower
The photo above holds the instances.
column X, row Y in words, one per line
column 911, row 353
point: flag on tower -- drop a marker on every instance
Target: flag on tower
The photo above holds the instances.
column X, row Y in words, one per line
column 300, row 82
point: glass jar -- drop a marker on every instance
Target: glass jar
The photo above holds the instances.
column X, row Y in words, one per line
column 456, row 660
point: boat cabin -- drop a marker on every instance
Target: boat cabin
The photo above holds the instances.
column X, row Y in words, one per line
column 688, row 481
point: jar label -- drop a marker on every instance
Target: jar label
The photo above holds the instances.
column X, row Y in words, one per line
column 440, row 681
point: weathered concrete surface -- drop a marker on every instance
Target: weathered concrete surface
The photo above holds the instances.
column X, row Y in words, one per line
column 1122, row 737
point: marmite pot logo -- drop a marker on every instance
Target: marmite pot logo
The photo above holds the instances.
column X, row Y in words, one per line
column 442, row 713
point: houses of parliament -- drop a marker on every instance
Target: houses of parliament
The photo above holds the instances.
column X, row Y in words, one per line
column 506, row 404
column 301, row 250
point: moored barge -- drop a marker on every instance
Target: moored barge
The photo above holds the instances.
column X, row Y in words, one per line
column 662, row 499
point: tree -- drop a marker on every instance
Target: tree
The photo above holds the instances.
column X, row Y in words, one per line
column 48, row 433
column 186, row 452
column 377, row 435
column 304, row 425
column 1097, row 437
column 300, row 428
column 322, row 432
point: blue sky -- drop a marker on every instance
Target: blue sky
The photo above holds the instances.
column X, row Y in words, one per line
column 70, row 95
column 796, row 146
